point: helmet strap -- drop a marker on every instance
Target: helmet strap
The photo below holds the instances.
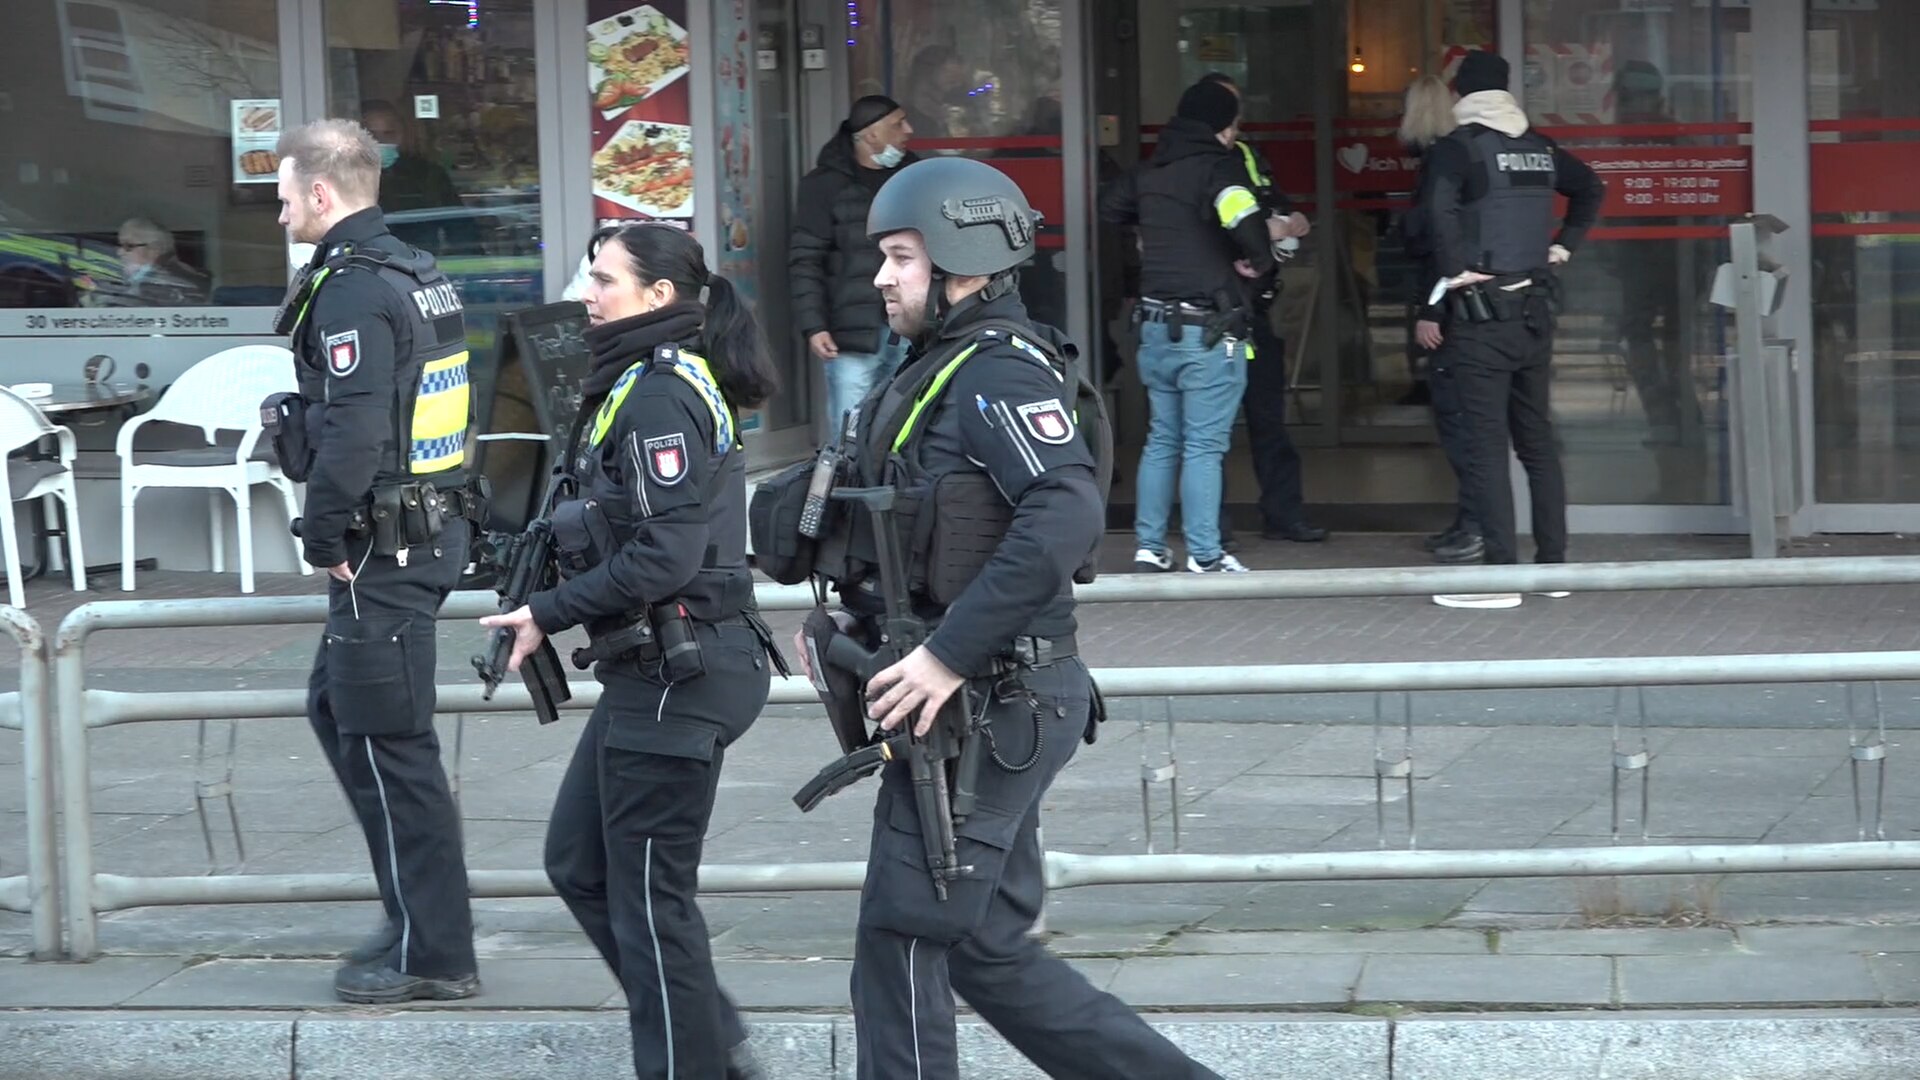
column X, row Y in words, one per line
column 999, row 285
column 936, row 309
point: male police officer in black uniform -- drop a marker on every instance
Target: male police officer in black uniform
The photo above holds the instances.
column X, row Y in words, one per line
column 382, row 356
column 1276, row 464
column 983, row 392
column 1496, row 241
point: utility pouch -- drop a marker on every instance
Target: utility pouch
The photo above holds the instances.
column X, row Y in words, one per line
column 384, row 521
column 680, row 656
column 1472, row 304
column 780, row 550
column 284, row 418
column 969, row 518
column 582, row 536
column 423, row 513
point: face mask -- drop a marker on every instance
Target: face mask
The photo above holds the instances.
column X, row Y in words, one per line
column 389, row 153
column 888, row 157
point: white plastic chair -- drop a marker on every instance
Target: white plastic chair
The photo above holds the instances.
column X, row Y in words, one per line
column 221, row 393
column 23, row 425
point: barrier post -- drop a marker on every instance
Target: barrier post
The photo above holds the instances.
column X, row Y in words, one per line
column 38, row 893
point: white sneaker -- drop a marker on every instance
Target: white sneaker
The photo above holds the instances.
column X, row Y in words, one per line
column 1149, row 561
column 1225, row 564
column 1481, row 601
column 1556, row 595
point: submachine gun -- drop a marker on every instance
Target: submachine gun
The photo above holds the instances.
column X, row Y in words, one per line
column 945, row 762
column 527, row 566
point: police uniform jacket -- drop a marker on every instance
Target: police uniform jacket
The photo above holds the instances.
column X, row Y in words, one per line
column 1494, row 179
column 382, row 361
column 662, row 483
column 1003, row 410
column 1196, row 214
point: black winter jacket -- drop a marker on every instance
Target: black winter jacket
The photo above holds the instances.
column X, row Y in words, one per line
column 831, row 260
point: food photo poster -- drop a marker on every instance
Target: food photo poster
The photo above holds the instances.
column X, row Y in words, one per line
column 638, row 67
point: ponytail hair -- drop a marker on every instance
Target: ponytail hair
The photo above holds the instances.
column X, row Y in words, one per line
column 730, row 338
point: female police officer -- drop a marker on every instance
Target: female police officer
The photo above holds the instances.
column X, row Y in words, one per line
column 652, row 553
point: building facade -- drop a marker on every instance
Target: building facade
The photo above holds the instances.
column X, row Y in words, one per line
column 137, row 208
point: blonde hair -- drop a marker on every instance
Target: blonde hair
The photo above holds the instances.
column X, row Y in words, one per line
column 1429, row 112
column 341, row 152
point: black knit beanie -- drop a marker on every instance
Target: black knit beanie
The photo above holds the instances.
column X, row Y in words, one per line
column 1211, row 104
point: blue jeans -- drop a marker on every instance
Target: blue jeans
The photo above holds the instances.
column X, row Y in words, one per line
column 851, row 375
column 1193, row 393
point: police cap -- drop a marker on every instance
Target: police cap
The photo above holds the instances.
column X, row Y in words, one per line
column 972, row 217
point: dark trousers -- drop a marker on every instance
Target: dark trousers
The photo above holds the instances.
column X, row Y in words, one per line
column 1276, row 464
column 624, row 843
column 370, row 700
column 1450, row 427
column 913, row 952
column 1500, row 371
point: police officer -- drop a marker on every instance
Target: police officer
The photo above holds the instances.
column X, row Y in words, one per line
column 983, row 391
column 651, row 541
column 1204, row 240
column 1276, row 464
column 382, row 356
column 1496, row 242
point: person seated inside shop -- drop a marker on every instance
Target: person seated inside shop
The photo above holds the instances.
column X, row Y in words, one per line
column 152, row 273
column 417, row 194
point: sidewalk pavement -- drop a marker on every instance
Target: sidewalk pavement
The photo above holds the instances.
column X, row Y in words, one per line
column 1492, row 769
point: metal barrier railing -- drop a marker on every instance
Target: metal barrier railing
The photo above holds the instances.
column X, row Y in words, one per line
column 87, row 893
column 37, row 892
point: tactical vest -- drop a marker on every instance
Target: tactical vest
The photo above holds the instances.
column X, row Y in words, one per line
column 1508, row 230
column 951, row 522
column 1256, row 172
column 432, row 400
column 1187, row 248
column 600, row 519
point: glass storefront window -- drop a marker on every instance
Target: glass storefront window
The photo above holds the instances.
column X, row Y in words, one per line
column 1864, row 108
column 1658, row 102
column 983, row 80
column 448, row 90
column 136, row 165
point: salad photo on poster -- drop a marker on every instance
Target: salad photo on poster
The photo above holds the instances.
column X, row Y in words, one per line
column 638, row 62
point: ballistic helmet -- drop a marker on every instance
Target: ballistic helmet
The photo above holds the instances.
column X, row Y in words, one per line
column 973, row 218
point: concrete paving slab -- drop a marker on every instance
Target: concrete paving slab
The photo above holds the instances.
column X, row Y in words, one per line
column 1487, row 980
column 1831, row 939
column 1231, row 981
column 116, row 1046
column 104, row 983
column 1349, row 751
column 551, row 1046
column 1382, row 905
column 1242, row 1048
column 243, row 984
column 1737, row 979
column 1854, row 896
column 786, row 984
column 1618, row 941
column 1641, row 1047
column 1296, row 942
column 1897, row 975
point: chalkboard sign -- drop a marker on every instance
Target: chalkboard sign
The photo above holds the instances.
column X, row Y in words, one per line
column 532, row 387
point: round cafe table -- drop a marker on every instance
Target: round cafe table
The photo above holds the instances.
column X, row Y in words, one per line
column 73, row 401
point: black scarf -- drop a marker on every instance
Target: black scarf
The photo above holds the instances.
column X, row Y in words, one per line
column 617, row 346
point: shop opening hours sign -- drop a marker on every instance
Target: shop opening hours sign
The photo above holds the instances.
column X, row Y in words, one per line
column 1663, row 181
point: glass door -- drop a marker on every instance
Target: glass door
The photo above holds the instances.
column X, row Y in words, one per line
column 448, row 90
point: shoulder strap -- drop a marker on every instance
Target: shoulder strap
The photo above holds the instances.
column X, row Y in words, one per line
column 693, row 370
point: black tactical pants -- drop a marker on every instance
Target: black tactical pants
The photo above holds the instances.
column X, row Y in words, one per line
column 914, row 952
column 370, row 700
column 1499, row 373
column 624, row 843
column 1276, row 464
column 1449, row 425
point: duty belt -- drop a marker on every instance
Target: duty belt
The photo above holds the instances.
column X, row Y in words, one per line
column 1151, row 310
column 1028, row 651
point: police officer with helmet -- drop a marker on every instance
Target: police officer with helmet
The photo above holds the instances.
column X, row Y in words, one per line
column 649, row 526
column 980, row 419
column 1496, row 244
column 378, row 434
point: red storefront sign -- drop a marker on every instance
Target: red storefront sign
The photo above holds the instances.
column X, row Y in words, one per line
column 1673, row 181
